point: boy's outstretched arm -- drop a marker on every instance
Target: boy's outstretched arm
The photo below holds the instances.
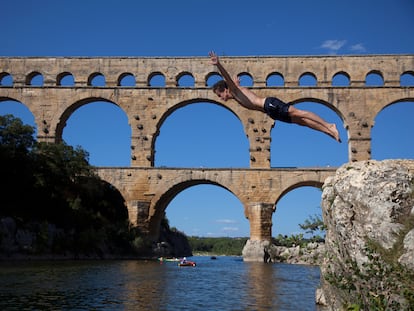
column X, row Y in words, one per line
column 215, row 61
column 234, row 87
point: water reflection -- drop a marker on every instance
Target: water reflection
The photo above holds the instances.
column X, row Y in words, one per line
column 143, row 285
column 227, row 283
column 262, row 285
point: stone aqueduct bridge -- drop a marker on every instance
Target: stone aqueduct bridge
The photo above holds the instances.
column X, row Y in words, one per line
column 147, row 190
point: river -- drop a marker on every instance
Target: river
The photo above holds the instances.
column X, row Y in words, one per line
column 226, row 283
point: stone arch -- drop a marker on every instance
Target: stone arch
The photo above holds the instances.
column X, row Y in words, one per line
column 282, row 207
column 154, row 76
column 33, row 75
column 95, row 75
column 246, row 79
column 26, row 108
column 325, row 103
column 126, row 75
column 341, row 79
column 70, row 109
column 179, row 105
column 185, row 76
column 307, row 77
column 6, row 76
column 291, row 155
column 275, row 79
column 407, row 78
column 374, row 78
column 212, row 78
column 61, row 76
column 380, row 108
column 162, row 199
column 322, row 102
column 395, row 126
column 306, row 183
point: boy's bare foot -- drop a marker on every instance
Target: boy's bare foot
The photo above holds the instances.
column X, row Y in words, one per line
column 334, row 132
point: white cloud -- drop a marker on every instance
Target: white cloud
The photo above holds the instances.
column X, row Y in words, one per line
column 226, row 221
column 333, row 45
column 358, row 47
column 229, row 229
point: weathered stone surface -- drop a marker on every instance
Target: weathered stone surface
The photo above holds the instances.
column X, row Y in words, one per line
column 366, row 207
column 407, row 258
column 311, row 254
column 258, row 251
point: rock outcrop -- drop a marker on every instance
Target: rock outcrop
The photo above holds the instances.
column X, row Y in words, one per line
column 368, row 209
column 265, row 251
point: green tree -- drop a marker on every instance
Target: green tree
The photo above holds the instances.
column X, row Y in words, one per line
column 16, row 166
column 47, row 183
column 15, row 137
column 313, row 224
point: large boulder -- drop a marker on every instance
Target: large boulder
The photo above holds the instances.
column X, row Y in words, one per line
column 368, row 209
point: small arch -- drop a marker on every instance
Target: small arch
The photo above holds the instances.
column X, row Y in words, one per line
column 308, row 79
column 65, row 79
column 275, row 79
column 341, row 79
column 6, row 79
column 35, row 78
column 126, row 79
column 407, row 78
column 374, row 78
column 246, row 79
column 156, row 79
column 185, row 79
column 212, row 79
column 96, row 79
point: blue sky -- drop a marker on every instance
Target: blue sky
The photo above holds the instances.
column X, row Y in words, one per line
column 233, row 28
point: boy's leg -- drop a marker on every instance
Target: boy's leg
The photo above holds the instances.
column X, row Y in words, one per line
column 313, row 121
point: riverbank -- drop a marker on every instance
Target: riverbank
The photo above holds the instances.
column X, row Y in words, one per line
column 310, row 254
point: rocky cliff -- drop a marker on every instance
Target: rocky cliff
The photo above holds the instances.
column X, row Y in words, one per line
column 368, row 208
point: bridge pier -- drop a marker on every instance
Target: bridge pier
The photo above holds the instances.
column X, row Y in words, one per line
column 138, row 212
column 260, row 218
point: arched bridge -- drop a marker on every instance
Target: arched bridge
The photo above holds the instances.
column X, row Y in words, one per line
column 150, row 190
column 147, row 189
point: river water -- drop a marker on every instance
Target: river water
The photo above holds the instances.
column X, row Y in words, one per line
column 226, row 283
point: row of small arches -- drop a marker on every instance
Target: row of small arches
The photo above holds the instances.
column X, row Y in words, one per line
column 373, row 78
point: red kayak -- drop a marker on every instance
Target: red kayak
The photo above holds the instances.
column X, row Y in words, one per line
column 187, row 264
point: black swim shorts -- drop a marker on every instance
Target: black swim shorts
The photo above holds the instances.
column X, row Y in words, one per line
column 277, row 110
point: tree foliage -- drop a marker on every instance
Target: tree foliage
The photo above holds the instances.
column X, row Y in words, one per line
column 313, row 224
column 54, row 183
column 217, row 246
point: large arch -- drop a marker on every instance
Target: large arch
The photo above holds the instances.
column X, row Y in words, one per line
column 202, row 119
column 71, row 108
column 101, row 122
column 290, row 207
column 208, row 210
column 20, row 110
column 305, row 149
column 157, row 211
column 393, row 124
